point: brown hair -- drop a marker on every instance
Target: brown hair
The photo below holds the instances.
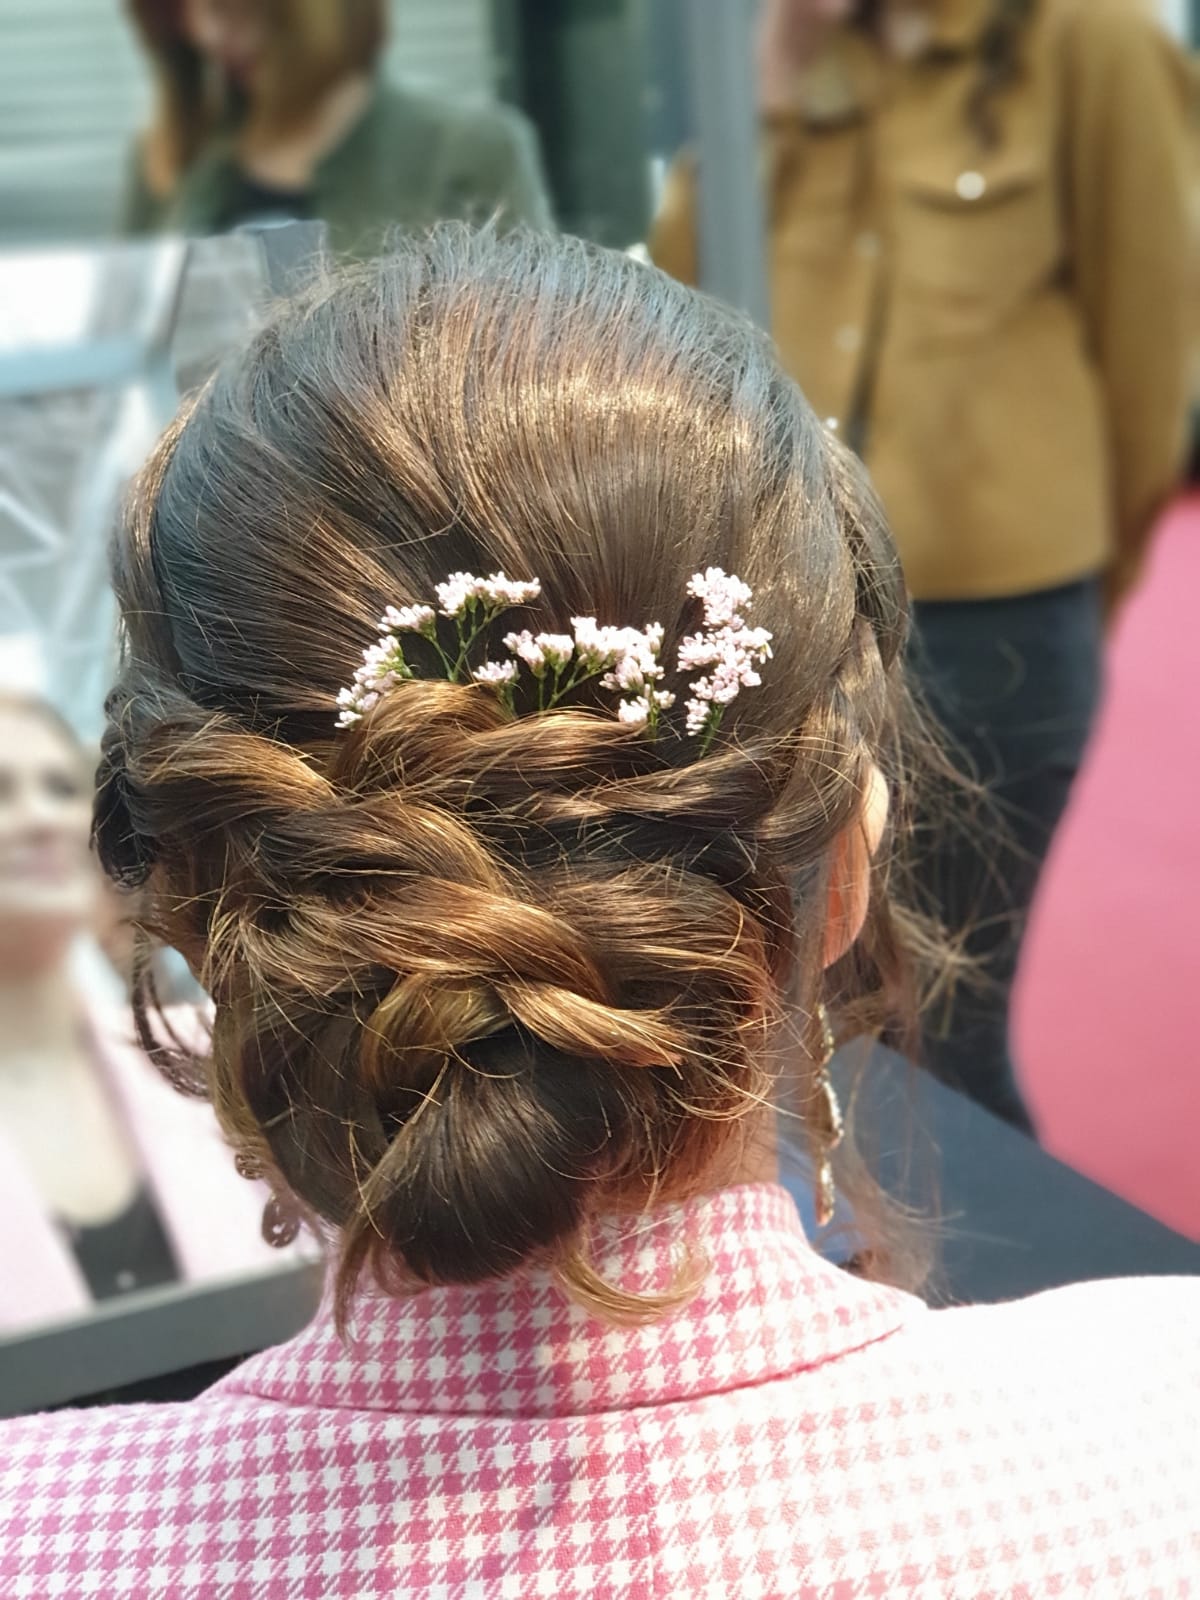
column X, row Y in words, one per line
column 480, row 976
column 313, row 44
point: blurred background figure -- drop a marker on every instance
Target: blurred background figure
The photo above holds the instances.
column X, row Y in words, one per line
column 979, row 259
column 109, row 1180
column 271, row 110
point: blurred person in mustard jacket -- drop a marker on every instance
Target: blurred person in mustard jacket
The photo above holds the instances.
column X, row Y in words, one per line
column 979, row 259
column 276, row 110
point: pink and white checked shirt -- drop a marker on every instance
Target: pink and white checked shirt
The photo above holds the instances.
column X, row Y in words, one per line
column 792, row 1432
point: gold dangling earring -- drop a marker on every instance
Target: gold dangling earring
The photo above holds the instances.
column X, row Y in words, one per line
column 828, row 1126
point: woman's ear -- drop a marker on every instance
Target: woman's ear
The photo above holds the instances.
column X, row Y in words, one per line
column 850, row 878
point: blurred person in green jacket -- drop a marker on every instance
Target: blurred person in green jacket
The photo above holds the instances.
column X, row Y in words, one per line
column 275, row 110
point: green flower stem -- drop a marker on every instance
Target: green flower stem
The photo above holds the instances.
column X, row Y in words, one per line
column 467, row 641
column 447, row 665
column 562, row 689
column 710, row 728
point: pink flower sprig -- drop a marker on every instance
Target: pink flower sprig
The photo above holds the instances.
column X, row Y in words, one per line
column 474, row 602
column 634, row 674
column 471, row 603
column 726, row 646
column 383, row 666
column 627, row 661
column 463, row 594
column 501, row 676
column 624, row 659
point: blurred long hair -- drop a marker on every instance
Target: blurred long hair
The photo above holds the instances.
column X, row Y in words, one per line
column 999, row 53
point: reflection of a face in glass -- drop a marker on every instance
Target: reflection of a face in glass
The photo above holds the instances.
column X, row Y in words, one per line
column 61, row 1133
column 47, row 883
column 104, row 1189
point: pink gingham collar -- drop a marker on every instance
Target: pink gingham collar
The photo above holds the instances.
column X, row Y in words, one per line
column 770, row 1306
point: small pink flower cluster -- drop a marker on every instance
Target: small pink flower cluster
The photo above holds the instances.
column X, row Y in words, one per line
column 463, row 592
column 626, row 660
column 726, row 646
column 560, row 662
column 635, row 670
column 409, row 619
column 542, row 652
column 383, row 666
column 469, row 601
column 498, row 673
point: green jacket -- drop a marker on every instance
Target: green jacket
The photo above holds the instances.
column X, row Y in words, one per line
column 412, row 159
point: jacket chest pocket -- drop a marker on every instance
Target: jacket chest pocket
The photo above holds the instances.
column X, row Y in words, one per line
column 981, row 235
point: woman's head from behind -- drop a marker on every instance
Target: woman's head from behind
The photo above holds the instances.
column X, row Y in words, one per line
column 480, row 973
column 47, row 879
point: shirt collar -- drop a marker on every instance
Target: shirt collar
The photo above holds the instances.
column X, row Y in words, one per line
column 769, row 1306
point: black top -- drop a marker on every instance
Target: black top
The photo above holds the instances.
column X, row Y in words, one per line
column 247, row 200
column 131, row 1251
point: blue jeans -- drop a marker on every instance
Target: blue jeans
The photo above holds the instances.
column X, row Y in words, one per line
column 1015, row 683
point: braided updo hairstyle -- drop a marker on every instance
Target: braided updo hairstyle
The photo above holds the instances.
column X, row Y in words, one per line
column 479, row 976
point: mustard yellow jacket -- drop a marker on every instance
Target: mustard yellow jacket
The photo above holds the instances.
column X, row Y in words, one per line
column 1004, row 331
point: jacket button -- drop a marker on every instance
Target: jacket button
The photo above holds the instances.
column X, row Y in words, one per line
column 970, row 185
column 867, row 246
column 848, row 338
